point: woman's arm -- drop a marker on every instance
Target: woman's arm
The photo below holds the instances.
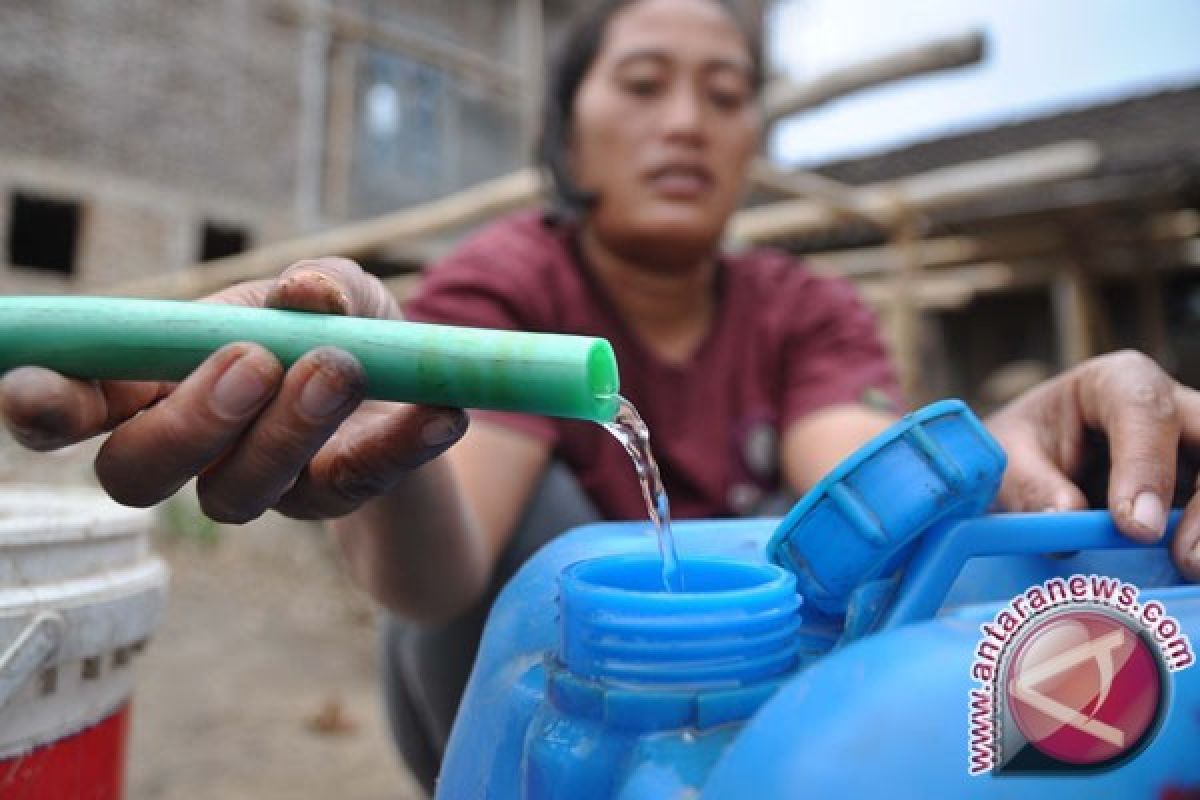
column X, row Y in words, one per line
column 426, row 548
column 815, row 444
column 1147, row 418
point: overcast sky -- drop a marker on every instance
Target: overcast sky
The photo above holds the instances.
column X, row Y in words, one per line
column 1041, row 55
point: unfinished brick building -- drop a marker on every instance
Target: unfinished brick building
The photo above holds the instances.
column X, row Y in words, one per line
column 140, row 137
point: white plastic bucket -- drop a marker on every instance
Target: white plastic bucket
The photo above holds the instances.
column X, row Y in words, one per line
column 80, row 594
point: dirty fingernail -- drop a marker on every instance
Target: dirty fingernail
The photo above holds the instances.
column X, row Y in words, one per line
column 1148, row 512
column 313, row 291
column 239, row 390
column 440, row 430
column 323, row 394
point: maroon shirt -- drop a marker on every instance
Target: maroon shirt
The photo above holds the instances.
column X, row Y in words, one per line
column 784, row 343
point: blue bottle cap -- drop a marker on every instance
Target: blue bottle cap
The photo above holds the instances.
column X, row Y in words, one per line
column 936, row 464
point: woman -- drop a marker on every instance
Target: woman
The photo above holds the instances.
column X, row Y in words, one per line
column 752, row 374
column 651, row 120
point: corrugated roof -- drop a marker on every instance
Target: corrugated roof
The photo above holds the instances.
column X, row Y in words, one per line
column 1135, row 133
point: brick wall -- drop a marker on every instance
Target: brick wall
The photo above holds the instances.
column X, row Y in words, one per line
column 199, row 95
column 153, row 116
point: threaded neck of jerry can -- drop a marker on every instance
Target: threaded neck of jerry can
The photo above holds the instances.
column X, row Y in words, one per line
column 735, row 625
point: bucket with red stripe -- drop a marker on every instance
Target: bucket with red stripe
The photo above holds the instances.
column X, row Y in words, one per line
column 80, row 595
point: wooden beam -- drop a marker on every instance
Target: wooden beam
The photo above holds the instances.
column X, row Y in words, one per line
column 782, row 97
column 802, row 184
column 956, row 288
column 904, row 314
column 924, row 192
column 1070, row 294
column 1175, row 225
column 309, row 124
column 340, row 128
column 531, row 37
column 356, row 240
column 962, row 182
column 1190, row 252
column 939, row 292
column 1153, row 255
column 942, row 252
column 1031, row 239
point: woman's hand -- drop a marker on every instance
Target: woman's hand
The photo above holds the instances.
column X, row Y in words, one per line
column 1145, row 419
column 301, row 441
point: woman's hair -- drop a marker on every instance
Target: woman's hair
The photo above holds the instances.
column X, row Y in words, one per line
column 574, row 58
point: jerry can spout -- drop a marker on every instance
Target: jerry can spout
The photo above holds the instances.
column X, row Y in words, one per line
column 684, row 669
column 737, row 623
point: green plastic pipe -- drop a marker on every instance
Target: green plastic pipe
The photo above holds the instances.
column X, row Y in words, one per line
column 555, row 375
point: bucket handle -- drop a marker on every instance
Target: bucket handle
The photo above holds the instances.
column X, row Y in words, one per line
column 943, row 551
column 29, row 652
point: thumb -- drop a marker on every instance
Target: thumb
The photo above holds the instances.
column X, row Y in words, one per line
column 1032, row 482
column 332, row 286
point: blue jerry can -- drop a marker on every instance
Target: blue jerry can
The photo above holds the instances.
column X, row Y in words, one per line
column 884, row 639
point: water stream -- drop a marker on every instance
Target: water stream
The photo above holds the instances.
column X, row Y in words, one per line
column 631, row 432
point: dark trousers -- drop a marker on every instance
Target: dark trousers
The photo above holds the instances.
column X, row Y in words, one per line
column 425, row 668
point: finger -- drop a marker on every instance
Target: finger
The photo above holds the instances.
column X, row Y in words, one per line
column 369, row 455
column 332, row 286
column 1185, row 546
column 45, row 411
column 149, row 457
column 1187, row 463
column 1032, row 482
column 1132, row 400
column 1187, row 401
column 318, row 393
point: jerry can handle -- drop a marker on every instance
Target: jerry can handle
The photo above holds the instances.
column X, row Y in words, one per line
column 944, row 551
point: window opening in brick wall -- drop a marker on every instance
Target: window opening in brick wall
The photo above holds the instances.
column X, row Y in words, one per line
column 218, row 240
column 422, row 131
column 43, row 232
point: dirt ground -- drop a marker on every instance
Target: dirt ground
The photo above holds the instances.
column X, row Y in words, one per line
column 261, row 682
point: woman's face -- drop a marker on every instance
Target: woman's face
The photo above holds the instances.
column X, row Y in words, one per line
column 665, row 124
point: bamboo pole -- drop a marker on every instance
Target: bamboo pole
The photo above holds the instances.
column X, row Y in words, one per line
column 954, row 287
column 837, row 196
column 1154, row 337
column 904, row 315
column 924, row 192
column 782, row 98
column 957, row 288
column 1070, row 295
column 531, row 41
column 310, row 127
column 1166, row 229
column 339, row 126
column 942, row 252
column 1082, row 330
column 356, row 240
